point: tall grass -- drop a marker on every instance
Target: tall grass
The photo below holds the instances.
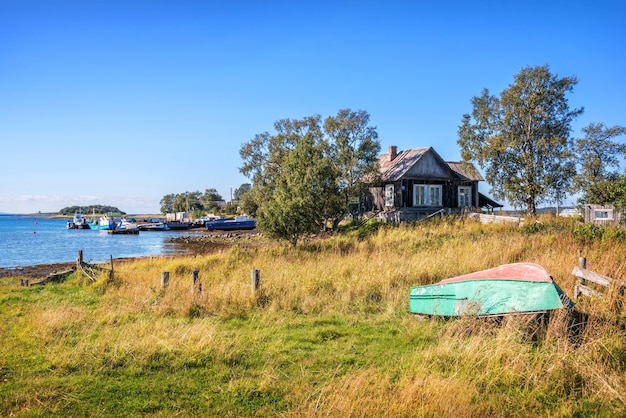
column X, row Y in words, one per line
column 326, row 334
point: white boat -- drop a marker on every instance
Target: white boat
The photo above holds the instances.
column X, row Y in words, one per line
column 154, row 224
column 126, row 224
column 78, row 222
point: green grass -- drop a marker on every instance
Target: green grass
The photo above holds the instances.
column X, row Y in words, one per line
column 328, row 334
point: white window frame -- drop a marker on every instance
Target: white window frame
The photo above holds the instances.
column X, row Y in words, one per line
column 604, row 214
column 389, row 195
column 465, row 193
column 427, row 195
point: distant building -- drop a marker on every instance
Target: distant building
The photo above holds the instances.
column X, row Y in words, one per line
column 178, row 217
column 569, row 212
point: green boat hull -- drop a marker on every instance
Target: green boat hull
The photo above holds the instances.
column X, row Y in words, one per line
column 487, row 297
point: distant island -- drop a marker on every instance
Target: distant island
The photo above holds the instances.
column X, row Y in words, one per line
column 71, row 210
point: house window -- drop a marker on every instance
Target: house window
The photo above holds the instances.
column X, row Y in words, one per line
column 389, row 195
column 465, row 196
column 604, row 215
column 427, row 195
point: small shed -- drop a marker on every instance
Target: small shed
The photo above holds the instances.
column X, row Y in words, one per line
column 602, row 215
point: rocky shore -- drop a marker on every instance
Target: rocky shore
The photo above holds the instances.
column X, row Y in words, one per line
column 216, row 241
column 189, row 244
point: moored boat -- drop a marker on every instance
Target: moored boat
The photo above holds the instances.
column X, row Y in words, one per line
column 225, row 224
column 123, row 231
column 126, row 224
column 78, row 222
column 508, row 289
column 103, row 223
column 178, row 225
column 153, row 224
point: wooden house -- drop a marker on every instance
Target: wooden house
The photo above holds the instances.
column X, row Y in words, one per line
column 417, row 183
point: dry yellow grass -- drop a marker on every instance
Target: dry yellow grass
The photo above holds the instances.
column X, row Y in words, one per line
column 327, row 333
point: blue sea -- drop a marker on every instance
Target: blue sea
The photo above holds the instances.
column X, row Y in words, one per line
column 31, row 240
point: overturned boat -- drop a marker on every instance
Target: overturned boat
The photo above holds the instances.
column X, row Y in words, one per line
column 508, row 289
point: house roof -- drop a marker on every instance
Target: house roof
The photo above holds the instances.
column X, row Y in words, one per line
column 465, row 170
column 395, row 169
column 486, row 202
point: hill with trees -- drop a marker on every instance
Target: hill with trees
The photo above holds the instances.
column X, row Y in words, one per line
column 71, row 210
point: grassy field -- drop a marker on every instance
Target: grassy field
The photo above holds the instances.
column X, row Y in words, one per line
column 328, row 332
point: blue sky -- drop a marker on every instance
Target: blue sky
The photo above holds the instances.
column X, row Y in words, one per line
column 123, row 102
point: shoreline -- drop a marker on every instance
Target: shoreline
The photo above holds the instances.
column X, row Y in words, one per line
column 187, row 245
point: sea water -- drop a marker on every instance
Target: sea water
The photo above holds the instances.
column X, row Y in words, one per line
column 31, row 240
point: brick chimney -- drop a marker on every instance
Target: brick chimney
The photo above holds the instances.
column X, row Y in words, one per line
column 393, row 152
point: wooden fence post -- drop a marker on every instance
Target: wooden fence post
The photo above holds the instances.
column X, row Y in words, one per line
column 165, row 279
column 580, row 282
column 79, row 258
column 195, row 282
column 586, row 277
column 111, row 274
column 256, row 280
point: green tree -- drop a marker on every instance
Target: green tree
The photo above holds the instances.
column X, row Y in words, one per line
column 210, row 199
column 241, row 190
column 354, row 149
column 248, row 200
column 299, row 200
column 347, row 143
column 167, row 203
column 187, row 202
column 611, row 191
column 522, row 138
column 87, row 210
column 295, row 188
column 597, row 155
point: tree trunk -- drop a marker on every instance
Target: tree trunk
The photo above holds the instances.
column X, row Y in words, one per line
column 337, row 221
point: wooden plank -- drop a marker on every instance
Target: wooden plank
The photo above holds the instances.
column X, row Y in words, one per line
column 491, row 218
column 581, row 289
column 592, row 276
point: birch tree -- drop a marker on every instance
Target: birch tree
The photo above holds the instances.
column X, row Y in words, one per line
column 521, row 138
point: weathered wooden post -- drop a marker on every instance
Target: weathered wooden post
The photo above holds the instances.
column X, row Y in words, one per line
column 580, row 283
column 195, row 282
column 256, row 280
column 165, row 279
column 111, row 274
column 79, row 258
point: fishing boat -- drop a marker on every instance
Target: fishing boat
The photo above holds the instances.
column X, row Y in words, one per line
column 78, row 222
column 508, row 289
column 103, row 223
column 153, row 224
column 122, row 231
column 125, row 223
column 178, row 225
column 231, row 224
column 125, row 226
